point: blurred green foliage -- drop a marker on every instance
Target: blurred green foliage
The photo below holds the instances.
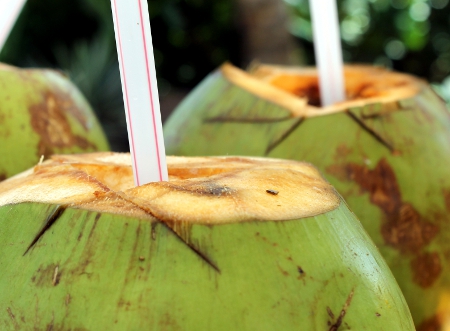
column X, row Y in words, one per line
column 407, row 35
column 192, row 37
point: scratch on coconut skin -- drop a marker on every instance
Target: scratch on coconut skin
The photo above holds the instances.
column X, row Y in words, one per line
column 250, row 120
column 51, row 324
column 55, row 280
column 330, row 313
column 385, row 113
column 372, row 132
column 199, row 253
column 51, row 219
column 13, row 318
column 172, row 228
column 340, row 319
column 284, row 136
column 153, row 231
column 67, row 300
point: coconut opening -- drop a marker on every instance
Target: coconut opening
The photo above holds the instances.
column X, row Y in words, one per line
column 200, row 190
column 297, row 88
column 301, row 86
column 361, row 83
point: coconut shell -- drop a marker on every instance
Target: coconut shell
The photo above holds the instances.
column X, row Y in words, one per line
column 91, row 254
column 385, row 149
column 42, row 113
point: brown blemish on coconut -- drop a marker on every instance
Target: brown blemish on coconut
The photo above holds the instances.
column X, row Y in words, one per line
column 403, row 227
column 49, row 120
column 431, row 324
column 338, row 171
column 426, row 269
column 340, row 156
column 342, row 152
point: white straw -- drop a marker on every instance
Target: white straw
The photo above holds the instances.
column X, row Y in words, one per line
column 9, row 11
column 327, row 46
column 140, row 92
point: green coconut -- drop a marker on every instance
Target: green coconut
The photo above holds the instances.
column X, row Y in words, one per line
column 42, row 113
column 386, row 149
column 225, row 244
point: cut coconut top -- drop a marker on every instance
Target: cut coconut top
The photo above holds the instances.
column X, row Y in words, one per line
column 200, row 190
column 6, row 67
column 297, row 88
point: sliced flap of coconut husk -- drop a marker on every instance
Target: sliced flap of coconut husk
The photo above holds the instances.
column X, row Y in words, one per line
column 203, row 190
column 297, row 88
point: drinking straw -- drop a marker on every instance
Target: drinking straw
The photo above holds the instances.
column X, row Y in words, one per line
column 140, row 92
column 327, row 47
column 9, row 11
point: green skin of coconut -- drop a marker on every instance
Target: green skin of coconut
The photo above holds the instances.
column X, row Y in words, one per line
column 98, row 271
column 212, row 249
column 42, row 113
column 389, row 161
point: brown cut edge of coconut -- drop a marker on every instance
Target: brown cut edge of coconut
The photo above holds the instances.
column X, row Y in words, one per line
column 7, row 67
column 207, row 190
column 279, row 84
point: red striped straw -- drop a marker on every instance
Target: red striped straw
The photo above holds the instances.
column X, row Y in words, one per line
column 9, row 11
column 140, row 91
column 327, row 46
